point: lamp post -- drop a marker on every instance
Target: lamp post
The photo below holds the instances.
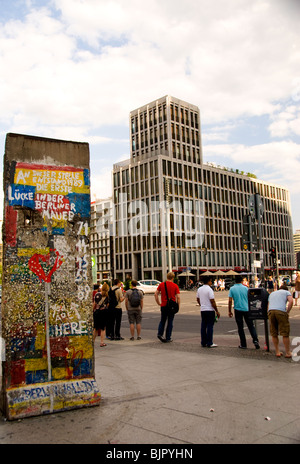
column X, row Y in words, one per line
column 168, row 201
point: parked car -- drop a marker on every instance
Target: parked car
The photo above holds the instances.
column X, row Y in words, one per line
column 148, row 286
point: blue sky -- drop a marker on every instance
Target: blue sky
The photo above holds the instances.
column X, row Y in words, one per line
column 73, row 70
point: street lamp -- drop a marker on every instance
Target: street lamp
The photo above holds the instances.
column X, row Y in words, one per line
column 168, row 201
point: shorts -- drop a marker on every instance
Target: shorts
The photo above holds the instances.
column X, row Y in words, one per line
column 279, row 323
column 100, row 319
column 134, row 316
column 296, row 294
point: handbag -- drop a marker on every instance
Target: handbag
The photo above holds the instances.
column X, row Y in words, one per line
column 172, row 305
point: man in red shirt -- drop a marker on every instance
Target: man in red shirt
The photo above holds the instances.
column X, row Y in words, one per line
column 173, row 294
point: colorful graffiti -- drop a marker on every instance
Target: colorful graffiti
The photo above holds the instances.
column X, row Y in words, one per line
column 35, row 265
column 46, row 292
column 59, row 194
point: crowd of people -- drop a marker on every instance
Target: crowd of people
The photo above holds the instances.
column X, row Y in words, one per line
column 108, row 311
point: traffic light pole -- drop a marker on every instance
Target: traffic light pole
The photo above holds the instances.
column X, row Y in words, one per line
column 167, row 199
column 277, row 269
column 251, row 251
column 274, row 257
column 259, row 211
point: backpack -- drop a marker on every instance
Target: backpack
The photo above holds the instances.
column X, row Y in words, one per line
column 112, row 298
column 100, row 301
column 97, row 298
column 135, row 298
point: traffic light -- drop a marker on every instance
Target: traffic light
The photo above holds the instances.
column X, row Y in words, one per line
column 249, row 236
column 273, row 253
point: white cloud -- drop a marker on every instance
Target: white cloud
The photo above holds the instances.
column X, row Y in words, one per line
column 240, row 59
column 70, row 68
column 101, row 185
column 280, row 160
column 286, row 122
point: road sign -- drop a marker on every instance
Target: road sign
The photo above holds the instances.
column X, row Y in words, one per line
column 258, row 303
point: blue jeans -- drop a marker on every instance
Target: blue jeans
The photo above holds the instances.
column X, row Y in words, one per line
column 165, row 316
column 240, row 317
column 207, row 326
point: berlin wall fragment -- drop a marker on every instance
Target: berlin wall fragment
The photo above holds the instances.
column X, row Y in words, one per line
column 46, row 312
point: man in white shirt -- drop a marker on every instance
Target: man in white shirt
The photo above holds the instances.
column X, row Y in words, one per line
column 280, row 304
column 206, row 300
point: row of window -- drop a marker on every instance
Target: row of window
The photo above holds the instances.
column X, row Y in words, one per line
column 220, row 203
column 153, row 136
column 153, row 116
column 197, row 259
column 148, row 118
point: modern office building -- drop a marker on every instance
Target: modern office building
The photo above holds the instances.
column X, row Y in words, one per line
column 297, row 241
column 101, row 239
column 171, row 210
column 297, row 248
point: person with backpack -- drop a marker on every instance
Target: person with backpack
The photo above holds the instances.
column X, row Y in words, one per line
column 115, row 311
column 134, row 306
column 167, row 291
column 100, row 313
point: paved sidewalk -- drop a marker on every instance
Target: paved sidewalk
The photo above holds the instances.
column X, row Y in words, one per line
column 180, row 394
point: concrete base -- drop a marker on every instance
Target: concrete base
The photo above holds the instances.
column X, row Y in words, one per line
column 47, row 398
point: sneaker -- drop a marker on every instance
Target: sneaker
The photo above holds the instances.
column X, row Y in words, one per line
column 139, row 338
column 242, row 347
column 212, row 346
column 161, row 338
column 169, row 340
column 256, row 344
column 119, row 338
column 131, row 338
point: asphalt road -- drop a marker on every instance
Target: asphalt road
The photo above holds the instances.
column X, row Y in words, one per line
column 187, row 321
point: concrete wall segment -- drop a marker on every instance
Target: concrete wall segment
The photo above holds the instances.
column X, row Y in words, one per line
column 43, row 150
column 47, row 320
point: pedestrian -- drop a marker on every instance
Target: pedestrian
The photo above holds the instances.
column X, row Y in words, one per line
column 238, row 295
column 166, row 315
column 297, row 288
column 115, row 311
column 100, row 307
column 245, row 282
column 270, row 285
column 96, row 289
column 134, row 306
column 279, row 307
column 222, row 285
column 209, row 310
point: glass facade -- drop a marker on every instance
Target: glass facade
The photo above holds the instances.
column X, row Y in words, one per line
column 201, row 224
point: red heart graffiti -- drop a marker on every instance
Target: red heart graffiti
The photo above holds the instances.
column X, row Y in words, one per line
column 35, row 265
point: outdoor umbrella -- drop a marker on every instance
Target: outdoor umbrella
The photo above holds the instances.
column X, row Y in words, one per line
column 186, row 274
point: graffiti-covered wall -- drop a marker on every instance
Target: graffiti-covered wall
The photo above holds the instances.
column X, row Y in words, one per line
column 46, row 297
